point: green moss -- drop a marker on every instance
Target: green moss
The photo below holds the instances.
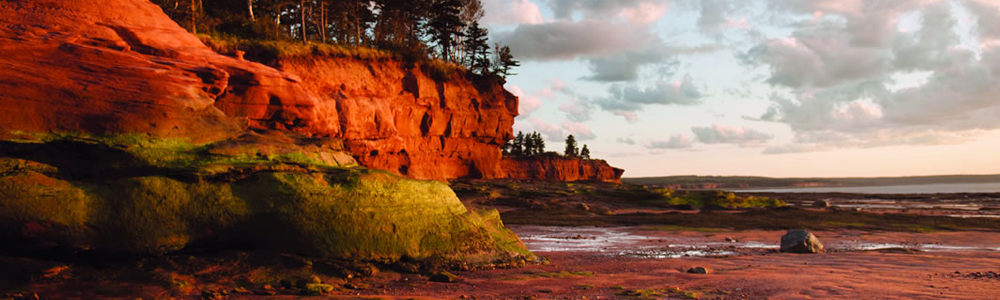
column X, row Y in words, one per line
column 143, row 195
column 703, row 199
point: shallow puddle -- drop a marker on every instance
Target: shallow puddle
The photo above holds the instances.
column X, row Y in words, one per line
column 637, row 242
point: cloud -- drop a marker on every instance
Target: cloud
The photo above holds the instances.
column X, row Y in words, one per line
column 626, row 140
column 511, row 12
column 822, row 57
column 579, row 130
column 577, row 110
column 566, row 40
column 631, row 98
column 639, row 10
column 679, row 141
column 552, row 132
column 527, row 104
column 629, row 116
column 722, row 134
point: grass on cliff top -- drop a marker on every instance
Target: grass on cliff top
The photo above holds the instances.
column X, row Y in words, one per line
column 290, row 49
column 265, row 50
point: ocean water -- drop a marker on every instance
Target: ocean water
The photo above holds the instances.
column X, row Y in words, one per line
column 895, row 189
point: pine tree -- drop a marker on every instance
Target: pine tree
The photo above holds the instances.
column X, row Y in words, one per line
column 571, row 149
column 585, row 153
column 446, row 24
column 529, row 145
column 517, row 149
column 476, row 48
column 503, row 61
column 539, row 144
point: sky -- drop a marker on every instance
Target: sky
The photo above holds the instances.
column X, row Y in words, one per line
column 782, row 88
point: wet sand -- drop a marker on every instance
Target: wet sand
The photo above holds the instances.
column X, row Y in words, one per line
column 608, row 263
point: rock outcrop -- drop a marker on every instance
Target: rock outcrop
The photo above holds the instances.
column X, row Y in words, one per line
column 129, row 194
column 401, row 119
column 559, row 168
column 124, row 133
column 124, row 66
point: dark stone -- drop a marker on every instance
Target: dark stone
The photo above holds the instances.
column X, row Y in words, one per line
column 800, row 241
column 444, row 276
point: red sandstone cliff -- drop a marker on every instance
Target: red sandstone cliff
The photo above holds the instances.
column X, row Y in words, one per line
column 122, row 66
column 396, row 117
column 558, row 168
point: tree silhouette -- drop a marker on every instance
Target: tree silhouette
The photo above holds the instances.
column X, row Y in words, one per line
column 517, row 148
column 585, row 153
column 571, row 149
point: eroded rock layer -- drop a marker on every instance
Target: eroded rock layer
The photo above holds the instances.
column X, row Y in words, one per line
column 557, row 168
column 398, row 118
column 121, row 132
column 124, row 66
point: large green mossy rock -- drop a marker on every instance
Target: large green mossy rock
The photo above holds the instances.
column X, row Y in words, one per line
column 115, row 194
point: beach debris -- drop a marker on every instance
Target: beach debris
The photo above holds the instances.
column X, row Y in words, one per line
column 731, row 240
column 699, row 270
column 800, row 241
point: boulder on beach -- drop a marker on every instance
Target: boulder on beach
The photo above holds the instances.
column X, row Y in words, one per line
column 821, row 204
column 800, row 241
column 699, row 270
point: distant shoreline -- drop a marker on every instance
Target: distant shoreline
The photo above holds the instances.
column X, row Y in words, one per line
column 755, row 182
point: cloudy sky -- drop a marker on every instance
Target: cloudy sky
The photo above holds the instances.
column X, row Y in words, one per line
column 761, row 87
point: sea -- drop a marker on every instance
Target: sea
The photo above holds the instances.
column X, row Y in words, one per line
column 993, row 187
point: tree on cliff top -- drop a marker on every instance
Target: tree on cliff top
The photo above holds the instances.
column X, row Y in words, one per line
column 571, row 149
column 517, row 147
column 585, row 153
column 446, row 25
column 477, row 48
column 503, row 61
column 539, row 143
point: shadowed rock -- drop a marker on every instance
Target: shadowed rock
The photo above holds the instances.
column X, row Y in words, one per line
column 800, row 241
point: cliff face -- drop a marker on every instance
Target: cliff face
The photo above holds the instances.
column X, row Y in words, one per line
column 123, row 66
column 397, row 118
column 556, row 168
column 123, row 132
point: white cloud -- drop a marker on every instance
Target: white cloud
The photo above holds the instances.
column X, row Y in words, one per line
column 576, row 110
column 722, row 134
column 527, row 104
column 679, row 141
column 511, row 12
column 552, row 132
column 579, row 130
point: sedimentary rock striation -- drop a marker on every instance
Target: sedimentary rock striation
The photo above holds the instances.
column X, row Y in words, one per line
column 124, row 133
column 558, row 168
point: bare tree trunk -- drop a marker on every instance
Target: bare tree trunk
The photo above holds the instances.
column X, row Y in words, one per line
column 322, row 22
column 357, row 22
column 250, row 8
column 194, row 13
column 302, row 13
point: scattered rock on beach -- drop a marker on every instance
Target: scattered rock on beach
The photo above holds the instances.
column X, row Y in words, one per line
column 444, row 276
column 821, row 204
column 731, row 240
column 699, row 270
column 800, row 241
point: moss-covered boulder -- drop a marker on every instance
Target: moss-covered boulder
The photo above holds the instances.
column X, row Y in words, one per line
column 134, row 194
